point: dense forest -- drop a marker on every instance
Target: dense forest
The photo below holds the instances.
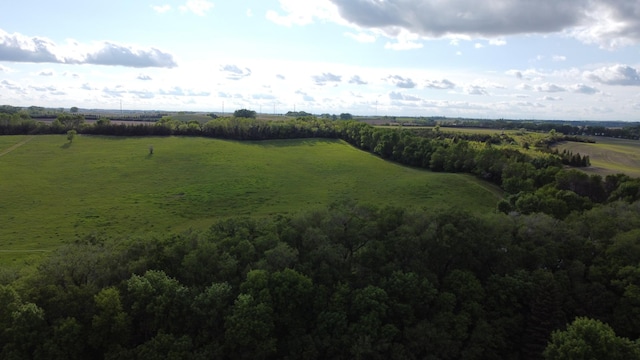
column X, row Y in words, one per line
column 349, row 281
column 553, row 272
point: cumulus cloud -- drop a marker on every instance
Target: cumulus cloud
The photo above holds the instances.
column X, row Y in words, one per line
column 615, row 75
column 475, row 90
column 144, row 77
column 46, row 73
column 606, row 22
column 280, row 76
column 584, row 89
column 43, row 88
column 440, row 84
column 178, row 91
column 263, row 97
column 325, row 78
column 305, row 96
column 116, row 91
column 402, row 97
column 234, row 72
column 198, row 7
column 303, row 12
column 529, row 74
column 142, row 94
column 357, row 80
column 551, row 98
column 20, row 48
column 401, row 82
column 551, row 88
column 524, row 87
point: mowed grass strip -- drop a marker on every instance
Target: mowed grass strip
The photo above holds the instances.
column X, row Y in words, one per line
column 608, row 155
column 52, row 192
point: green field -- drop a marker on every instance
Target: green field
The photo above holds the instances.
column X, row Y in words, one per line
column 52, row 191
column 609, row 155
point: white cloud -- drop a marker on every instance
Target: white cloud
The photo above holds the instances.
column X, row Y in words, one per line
column 46, row 72
column 615, row 75
column 303, row 12
column 404, row 40
column 357, row 80
column 559, row 58
column 361, row 37
column 475, row 90
column 524, row 87
column 161, row 8
column 549, row 87
column 497, row 42
column 20, row 48
column 401, row 82
column 325, row 78
column 583, row 89
column 305, row 97
column 263, row 97
column 401, row 96
column 198, row 7
column 234, row 72
column 440, row 84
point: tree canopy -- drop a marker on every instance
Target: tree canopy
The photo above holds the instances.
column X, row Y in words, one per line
column 245, row 113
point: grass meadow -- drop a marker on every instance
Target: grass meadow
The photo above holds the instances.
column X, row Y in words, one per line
column 52, row 191
column 608, row 155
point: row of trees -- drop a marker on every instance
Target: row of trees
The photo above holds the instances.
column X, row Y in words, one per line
column 349, row 281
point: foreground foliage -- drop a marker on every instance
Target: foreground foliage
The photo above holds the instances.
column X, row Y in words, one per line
column 346, row 282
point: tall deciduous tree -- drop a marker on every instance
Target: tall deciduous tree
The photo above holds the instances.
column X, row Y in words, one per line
column 586, row 338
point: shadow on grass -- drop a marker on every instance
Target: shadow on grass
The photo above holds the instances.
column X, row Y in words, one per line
column 66, row 145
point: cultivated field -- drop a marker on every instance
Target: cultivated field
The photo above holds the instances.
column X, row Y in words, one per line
column 52, row 191
column 609, row 155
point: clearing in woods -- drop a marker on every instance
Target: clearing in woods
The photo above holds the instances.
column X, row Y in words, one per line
column 54, row 192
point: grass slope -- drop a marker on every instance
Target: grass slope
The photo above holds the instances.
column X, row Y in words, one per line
column 609, row 155
column 52, row 191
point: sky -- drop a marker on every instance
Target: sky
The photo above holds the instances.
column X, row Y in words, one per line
column 512, row 59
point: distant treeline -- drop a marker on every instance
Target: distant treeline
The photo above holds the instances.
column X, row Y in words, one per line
column 534, row 184
column 621, row 130
column 345, row 282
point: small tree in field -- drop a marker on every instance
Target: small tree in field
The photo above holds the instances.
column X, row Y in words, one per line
column 71, row 134
column 244, row 113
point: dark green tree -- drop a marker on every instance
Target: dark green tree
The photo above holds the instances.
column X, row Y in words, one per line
column 589, row 339
column 245, row 113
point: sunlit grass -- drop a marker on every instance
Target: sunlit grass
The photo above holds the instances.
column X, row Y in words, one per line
column 53, row 191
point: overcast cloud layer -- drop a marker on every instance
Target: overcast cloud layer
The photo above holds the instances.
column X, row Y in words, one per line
column 570, row 59
column 609, row 23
